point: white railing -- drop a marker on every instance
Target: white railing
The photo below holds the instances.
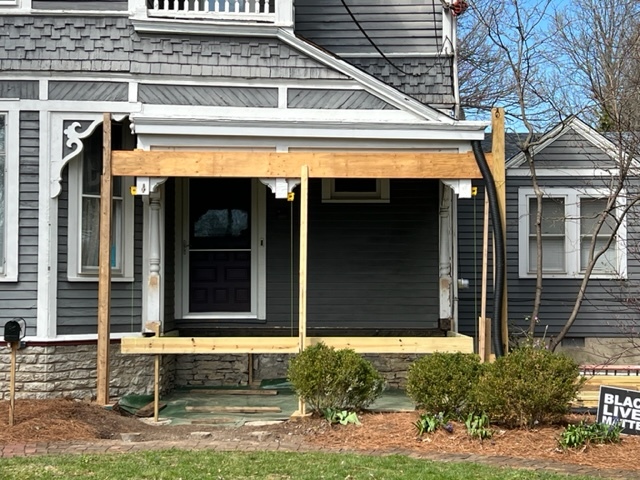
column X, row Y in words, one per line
column 249, row 10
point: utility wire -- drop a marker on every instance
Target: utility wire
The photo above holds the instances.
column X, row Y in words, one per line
column 369, row 39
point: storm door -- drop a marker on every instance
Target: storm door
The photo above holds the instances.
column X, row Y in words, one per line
column 221, row 243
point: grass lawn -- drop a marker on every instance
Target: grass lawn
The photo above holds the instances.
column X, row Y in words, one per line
column 193, row 465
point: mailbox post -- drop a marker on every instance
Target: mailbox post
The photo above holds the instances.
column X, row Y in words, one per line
column 13, row 334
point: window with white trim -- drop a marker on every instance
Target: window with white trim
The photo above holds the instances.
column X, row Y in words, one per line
column 9, row 196
column 569, row 218
column 84, row 217
column 355, row 190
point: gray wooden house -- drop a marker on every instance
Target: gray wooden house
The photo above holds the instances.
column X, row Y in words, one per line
column 577, row 168
column 197, row 254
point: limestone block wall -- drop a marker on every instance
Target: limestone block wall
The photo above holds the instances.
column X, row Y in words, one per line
column 212, row 370
column 70, row 371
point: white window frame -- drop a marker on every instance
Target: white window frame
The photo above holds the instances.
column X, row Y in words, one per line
column 572, row 232
column 9, row 269
column 380, row 195
column 74, row 232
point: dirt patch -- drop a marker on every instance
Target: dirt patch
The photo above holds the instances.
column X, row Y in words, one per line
column 61, row 420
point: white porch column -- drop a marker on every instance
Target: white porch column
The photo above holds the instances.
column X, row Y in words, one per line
column 446, row 256
column 153, row 321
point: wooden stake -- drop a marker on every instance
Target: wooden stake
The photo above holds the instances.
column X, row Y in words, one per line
column 12, row 384
column 156, row 389
column 499, row 177
column 104, row 282
column 302, row 303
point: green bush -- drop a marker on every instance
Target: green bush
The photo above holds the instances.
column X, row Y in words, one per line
column 527, row 386
column 441, row 382
column 334, row 379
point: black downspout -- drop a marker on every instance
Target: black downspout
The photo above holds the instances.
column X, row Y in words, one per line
column 498, row 238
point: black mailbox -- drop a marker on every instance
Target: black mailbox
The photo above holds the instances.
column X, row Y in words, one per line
column 12, row 331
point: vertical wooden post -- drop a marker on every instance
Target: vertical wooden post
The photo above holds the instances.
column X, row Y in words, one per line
column 104, row 285
column 499, row 176
column 156, row 388
column 302, row 282
column 12, row 384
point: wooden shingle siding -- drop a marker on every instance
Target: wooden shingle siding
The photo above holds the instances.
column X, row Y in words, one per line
column 371, row 266
column 335, row 99
column 110, row 44
column 19, row 299
column 100, row 5
column 399, row 27
column 429, row 80
column 18, row 89
column 86, row 91
column 212, row 96
column 77, row 311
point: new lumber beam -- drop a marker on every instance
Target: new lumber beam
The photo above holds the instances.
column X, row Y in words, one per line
column 390, row 164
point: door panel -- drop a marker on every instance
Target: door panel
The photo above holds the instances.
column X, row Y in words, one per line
column 220, row 281
column 219, row 245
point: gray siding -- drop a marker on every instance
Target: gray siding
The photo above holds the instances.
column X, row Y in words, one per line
column 610, row 306
column 335, row 99
column 214, row 96
column 372, row 266
column 572, row 151
column 18, row 89
column 470, row 231
column 101, row 5
column 110, row 45
column 20, row 299
column 97, row 91
column 169, row 264
column 405, row 26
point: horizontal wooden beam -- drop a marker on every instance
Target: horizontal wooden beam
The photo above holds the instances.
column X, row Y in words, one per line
column 212, row 345
column 215, row 345
column 141, row 163
column 458, row 343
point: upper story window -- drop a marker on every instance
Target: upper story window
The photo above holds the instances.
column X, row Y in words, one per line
column 569, row 219
column 9, row 194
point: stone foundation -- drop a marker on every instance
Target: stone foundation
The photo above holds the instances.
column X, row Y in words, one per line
column 70, row 371
column 212, row 370
column 613, row 351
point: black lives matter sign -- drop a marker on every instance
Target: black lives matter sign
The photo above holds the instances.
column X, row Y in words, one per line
column 620, row 406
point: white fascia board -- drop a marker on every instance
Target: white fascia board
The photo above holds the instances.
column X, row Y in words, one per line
column 370, row 83
column 178, row 113
column 308, row 129
column 181, row 27
column 563, row 172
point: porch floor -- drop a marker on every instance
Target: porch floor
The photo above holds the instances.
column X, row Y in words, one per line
column 180, row 401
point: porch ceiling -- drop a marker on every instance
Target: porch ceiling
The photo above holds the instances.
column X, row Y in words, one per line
column 288, row 164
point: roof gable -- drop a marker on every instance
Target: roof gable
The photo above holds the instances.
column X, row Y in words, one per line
column 570, row 144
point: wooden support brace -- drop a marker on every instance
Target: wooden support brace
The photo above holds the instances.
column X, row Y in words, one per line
column 499, row 176
column 302, row 303
column 104, row 282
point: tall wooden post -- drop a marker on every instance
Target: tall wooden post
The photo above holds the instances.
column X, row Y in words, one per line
column 302, row 282
column 499, row 176
column 104, row 285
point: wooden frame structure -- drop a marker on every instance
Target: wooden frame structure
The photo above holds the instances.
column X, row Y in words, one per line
column 303, row 165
